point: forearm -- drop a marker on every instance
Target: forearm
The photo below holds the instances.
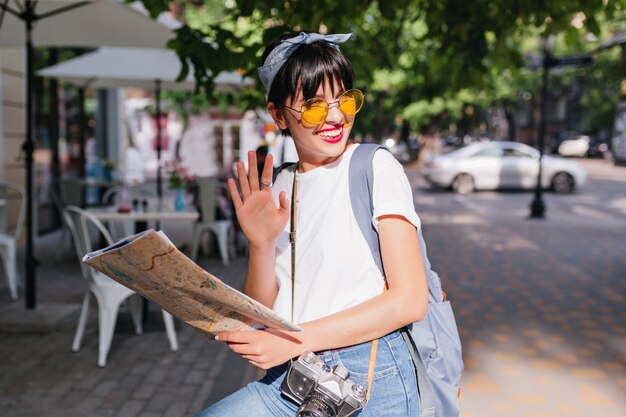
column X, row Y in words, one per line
column 404, row 302
column 260, row 282
column 364, row 322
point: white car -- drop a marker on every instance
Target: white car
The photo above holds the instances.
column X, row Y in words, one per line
column 508, row 165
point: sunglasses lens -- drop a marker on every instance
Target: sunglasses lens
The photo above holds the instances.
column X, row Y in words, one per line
column 351, row 102
column 314, row 111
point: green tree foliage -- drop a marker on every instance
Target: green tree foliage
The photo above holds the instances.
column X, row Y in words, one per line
column 416, row 60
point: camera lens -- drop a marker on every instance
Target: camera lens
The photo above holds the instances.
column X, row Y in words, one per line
column 316, row 405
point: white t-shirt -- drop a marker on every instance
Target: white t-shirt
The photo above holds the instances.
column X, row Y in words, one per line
column 335, row 269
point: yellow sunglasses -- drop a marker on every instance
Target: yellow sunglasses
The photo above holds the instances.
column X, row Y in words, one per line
column 315, row 110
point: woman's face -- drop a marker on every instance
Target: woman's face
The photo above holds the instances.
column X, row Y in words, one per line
column 320, row 144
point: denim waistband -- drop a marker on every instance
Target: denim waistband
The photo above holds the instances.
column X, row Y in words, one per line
column 388, row 336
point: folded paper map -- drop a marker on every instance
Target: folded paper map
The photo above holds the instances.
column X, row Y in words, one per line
column 150, row 264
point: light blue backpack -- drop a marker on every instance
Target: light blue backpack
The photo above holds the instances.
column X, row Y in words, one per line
column 434, row 342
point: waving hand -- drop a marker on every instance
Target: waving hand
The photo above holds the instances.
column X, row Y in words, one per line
column 260, row 219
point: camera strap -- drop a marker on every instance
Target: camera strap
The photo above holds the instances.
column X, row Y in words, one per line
column 370, row 370
column 292, row 241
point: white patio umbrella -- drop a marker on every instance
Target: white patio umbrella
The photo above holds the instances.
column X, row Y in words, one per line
column 110, row 67
column 147, row 68
column 75, row 23
column 70, row 23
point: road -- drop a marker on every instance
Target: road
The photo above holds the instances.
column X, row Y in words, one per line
column 539, row 302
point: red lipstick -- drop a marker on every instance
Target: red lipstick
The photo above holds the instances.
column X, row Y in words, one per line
column 331, row 139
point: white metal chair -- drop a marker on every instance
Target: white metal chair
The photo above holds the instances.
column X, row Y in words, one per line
column 109, row 294
column 207, row 189
column 113, row 194
column 130, row 194
column 9, row 236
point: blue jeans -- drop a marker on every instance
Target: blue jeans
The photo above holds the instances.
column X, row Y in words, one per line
column 393, row 392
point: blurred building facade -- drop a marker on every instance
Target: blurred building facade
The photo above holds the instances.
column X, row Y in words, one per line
column 111, row 124
column 12, row 123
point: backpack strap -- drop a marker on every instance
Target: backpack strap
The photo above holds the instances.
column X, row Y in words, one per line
column 284, row 165
column 361, row 184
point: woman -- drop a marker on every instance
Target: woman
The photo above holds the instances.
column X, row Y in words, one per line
column 339, row 297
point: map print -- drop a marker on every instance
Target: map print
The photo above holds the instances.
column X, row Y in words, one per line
column 150, row 264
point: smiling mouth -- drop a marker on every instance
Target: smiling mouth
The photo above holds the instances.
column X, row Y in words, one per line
column 331, row 135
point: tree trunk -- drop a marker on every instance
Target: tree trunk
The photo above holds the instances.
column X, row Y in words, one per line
column 404, row 131
column 509, row 112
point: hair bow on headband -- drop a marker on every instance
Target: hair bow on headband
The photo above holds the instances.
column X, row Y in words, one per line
column 279, row 55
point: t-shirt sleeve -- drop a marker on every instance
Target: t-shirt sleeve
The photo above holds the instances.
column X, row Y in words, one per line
column 392, row 192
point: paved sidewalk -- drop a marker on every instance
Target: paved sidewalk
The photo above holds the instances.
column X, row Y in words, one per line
column 540, row 306
column 40, row 376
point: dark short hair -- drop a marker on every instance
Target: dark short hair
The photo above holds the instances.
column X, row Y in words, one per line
column 308, row 67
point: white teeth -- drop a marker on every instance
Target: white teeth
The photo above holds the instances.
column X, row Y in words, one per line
column 330, row 133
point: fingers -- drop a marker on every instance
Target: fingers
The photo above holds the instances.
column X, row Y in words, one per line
column 253, row 363
column 238, row 337
column 253, row 175
column 234, row 193
column 243, row 180
column 253, row 172
column 284, row 203
column 244, row 349
column 250, row 182
column 260, row 361
column 266, row 175
column 254, row 346
column 241, row 342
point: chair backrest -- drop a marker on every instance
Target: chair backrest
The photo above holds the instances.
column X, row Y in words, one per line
column 10, row 192
column 207, row 197
column 85, row 227
column 113, row 194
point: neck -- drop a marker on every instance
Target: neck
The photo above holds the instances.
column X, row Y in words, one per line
column 306, row 166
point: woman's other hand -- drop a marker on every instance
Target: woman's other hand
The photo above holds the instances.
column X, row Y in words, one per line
column 263, row 348
column 260, row 219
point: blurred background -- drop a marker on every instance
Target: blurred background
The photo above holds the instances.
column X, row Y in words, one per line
column 436, row 75
column 509, row 117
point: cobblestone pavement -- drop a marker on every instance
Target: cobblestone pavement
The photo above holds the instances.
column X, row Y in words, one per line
column 540, row 304
column 40, row 376
column 540, row 307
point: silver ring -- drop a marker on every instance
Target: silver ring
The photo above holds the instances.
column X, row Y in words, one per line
column 265, row 185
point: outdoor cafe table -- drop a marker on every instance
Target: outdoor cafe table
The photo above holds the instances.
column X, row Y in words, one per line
column 134, row 222
column 133, row 219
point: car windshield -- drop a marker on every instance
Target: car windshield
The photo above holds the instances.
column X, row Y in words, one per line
column 461, row 152
column 493, row 149
column 517, row 153
column 489, row 153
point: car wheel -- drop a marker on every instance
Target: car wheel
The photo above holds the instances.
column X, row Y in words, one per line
column 463, row 184
column 563, row 183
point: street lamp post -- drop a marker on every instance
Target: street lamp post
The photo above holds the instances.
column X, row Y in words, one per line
column 538, row 207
